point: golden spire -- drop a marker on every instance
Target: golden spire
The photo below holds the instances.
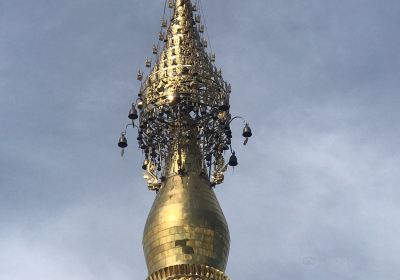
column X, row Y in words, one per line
column 183, row 65
column 184, row 132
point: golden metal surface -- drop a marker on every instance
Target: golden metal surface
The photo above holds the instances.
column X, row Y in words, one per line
column 182, row 58
column 184, row 91
column 188, row 272
column 186, row 224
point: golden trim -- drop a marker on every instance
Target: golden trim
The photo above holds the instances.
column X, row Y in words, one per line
column 188, row 272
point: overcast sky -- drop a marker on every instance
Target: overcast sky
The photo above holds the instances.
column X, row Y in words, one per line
column 316, row 194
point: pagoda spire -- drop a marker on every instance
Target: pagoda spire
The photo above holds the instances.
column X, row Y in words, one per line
column 183, row 121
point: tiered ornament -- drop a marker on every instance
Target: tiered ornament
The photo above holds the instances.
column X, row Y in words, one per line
column 183, row 96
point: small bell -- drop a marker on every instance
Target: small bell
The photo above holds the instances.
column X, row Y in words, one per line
column 247, row 131
column 122, row 143
column 161, row 36
column 228, row 87
column 212, row 57
column 145, row 163
column 148, row 63
column 197, row 18
column 224, row 105
column 233, row 160
column 155, row 50
column 140, row 75
column 133, row 115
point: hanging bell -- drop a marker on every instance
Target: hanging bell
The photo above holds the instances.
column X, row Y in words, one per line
column 145, row 163
column 140, row 75
column 247, row 131
column 161, row 36
column 228, row 88
column 212, row 57
column 148, row 63
column 224, row 105
column 233, row 160
column 133, row 115
column 122, row 143
column 197, row 18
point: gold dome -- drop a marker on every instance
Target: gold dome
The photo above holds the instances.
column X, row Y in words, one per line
column 186, row 224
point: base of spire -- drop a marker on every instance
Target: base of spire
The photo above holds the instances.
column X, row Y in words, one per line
column 188, row 272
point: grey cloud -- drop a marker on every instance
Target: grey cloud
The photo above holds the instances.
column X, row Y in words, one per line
column 315, row 194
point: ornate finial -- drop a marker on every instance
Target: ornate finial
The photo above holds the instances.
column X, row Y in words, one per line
column 182, row 114
column 184, row 95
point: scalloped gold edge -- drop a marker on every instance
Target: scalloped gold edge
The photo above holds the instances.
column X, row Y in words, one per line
column 186, row 271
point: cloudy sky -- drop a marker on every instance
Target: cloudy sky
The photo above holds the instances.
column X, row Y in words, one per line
column 316, row 194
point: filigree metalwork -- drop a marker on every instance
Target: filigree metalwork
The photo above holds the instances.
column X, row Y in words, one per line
column 184, row 95
column 182, row 114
